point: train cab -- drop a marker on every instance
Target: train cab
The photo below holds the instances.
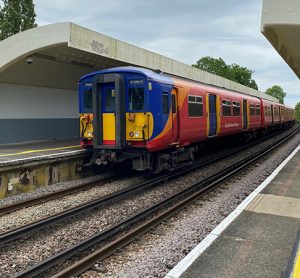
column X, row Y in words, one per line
column 118, row 109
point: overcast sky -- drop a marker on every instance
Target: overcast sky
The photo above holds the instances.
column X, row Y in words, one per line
column 184, row 30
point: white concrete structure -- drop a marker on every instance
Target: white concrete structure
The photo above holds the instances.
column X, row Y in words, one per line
column 40, row 68
column 281, row 26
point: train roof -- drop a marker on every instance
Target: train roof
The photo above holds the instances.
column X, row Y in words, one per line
column 151, row 74
column 161, row 77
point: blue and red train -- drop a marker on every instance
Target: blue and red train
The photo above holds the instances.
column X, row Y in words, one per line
column 156, row 121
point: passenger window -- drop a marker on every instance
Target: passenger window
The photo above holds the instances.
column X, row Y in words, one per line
column 236, row 108
column 195, row 106
column 165, row 103
column 257, row 110
column 226, row 105
column 136, row 98
column 252, row 109
column 110, row 99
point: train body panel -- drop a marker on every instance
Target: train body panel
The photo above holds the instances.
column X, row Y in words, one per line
column 143, row 115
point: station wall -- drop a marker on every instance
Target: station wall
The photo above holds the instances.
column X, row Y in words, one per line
column 36, row 113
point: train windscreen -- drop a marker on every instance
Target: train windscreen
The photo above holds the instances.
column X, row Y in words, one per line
column 87, row 101
column 136, row 98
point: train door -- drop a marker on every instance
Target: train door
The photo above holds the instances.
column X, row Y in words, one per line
column 212, row 115
column 109, row 113
column 272, row 113
column 245, row 114
column 175, row 116
column 280, row 114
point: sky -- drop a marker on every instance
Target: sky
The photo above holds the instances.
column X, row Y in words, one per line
column 184, row 30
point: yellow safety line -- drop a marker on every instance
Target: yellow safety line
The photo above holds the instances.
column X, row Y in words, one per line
column 296, row 272
column 43, row 150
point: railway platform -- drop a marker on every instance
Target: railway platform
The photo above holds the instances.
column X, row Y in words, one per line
column 261, row 238
column 21, row 151
column 27, row 166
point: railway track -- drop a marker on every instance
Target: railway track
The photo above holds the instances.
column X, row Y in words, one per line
column 52, row 196
column 149, row 218
column 114, row 197
column 42, row 223
column 85, row 186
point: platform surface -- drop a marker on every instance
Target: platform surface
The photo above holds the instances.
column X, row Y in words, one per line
column 264, row 240
column 26, row 150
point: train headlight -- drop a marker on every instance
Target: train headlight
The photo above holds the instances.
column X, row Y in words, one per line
column 131, row 134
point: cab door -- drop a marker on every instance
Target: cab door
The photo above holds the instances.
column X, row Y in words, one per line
column 175, row 116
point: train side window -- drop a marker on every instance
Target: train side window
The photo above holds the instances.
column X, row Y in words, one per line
column 226, row 105
column 252, row 109
column 165, row 103
column 195, row 106
column 236, row 108
column 257, row 110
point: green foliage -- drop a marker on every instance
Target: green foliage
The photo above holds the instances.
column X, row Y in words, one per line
column 297, row 111
column 277, row 92
column 232, row 72
column 16, row 16
column 242, row 75
column 214, row 66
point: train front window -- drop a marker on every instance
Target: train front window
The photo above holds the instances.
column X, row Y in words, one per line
column 136, row 98
column 88, row 100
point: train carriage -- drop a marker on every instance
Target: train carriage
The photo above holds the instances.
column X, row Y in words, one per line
column 156, row 120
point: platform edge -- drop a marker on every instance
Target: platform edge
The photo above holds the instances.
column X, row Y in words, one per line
column 188, row 260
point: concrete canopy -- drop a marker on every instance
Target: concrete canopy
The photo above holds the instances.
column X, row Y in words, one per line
column 63, row 52
column 281, row 26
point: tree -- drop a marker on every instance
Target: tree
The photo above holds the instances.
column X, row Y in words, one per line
column 232, row 72
column 277, row 92
column 242, row 75
column 214, row 66
column 16, row 16
column 297, row 111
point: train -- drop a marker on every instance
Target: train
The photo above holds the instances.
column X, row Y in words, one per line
column 156, row 121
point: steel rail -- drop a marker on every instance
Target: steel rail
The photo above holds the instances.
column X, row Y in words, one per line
column 61, row 193
column 46, row 221
column 187, row 196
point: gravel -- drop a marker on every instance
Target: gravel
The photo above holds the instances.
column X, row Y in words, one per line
column 159, row 251
column 156, row 253
column 27, row 215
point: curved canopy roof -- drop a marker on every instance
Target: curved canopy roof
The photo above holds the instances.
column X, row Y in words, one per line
column 63, row 52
